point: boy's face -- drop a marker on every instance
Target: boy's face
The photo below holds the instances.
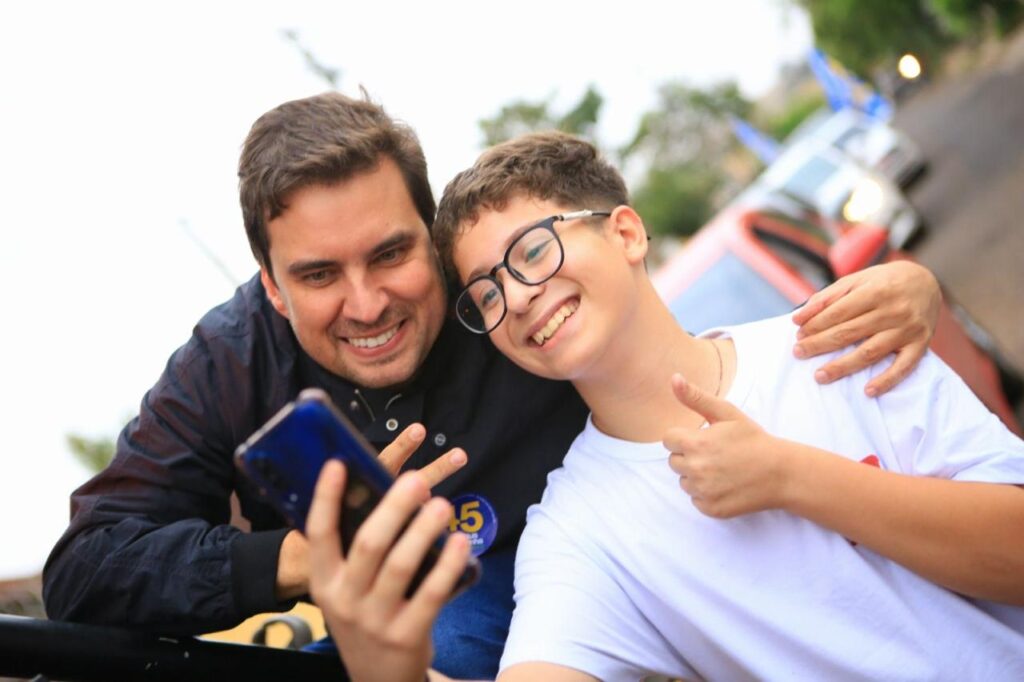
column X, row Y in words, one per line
column 562, row 328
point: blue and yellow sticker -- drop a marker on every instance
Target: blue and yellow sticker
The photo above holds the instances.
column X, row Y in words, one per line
column 474, row 516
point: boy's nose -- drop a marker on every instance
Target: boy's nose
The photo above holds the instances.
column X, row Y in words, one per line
column 518, row 295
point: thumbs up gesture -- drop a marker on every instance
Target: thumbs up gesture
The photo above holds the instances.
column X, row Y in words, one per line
column 733, row 466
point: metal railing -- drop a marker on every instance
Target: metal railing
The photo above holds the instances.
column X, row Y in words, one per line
column 32, row 648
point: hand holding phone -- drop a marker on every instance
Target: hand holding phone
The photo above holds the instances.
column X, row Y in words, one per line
column 285, row 457
column 380, row 634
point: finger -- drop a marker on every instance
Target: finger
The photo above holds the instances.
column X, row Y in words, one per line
column 677, row 463
column 444, row 466
column 868, row 353
column 405, row 558
column 678, row 441
column 416, row 619
column 374, row 538
column 906, row 359
column 395, row 455
column 851, row 305
column 842, row 334
column 820, row 300
column 322, row 521
column 700, row 401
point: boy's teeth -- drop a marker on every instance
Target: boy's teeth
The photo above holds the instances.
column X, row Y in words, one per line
column 373, row 341
column 556, row 321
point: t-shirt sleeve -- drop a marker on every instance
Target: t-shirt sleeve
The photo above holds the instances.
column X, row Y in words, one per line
column 939, row 428
column 568, row 611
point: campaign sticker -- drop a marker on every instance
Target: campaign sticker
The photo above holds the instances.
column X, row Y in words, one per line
column 474, row 516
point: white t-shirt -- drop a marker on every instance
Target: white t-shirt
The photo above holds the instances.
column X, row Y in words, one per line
column 619, row 575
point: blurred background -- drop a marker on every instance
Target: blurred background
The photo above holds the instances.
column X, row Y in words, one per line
column 122, row 122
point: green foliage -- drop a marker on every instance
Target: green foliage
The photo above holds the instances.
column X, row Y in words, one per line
column 688, row 125
column 520, row 117
column 94, row 453
column 862, row 34
column 677, row 201
column 967, row 18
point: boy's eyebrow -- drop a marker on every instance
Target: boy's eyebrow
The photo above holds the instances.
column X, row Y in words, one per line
column 511, row 238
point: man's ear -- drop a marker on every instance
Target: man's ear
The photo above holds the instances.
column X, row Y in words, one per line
column 273, row 293
column 629, row 231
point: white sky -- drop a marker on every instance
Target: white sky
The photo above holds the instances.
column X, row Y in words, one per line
column 118, row 121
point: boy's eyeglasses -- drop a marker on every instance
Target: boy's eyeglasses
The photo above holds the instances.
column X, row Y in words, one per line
column 533, row 258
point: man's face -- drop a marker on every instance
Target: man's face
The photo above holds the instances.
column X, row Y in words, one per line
column 357, row 277
column 561, row 328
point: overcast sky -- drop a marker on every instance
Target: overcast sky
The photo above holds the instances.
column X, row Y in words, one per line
column 122, row 123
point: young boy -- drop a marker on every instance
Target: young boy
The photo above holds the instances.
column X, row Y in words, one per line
column 818, row 533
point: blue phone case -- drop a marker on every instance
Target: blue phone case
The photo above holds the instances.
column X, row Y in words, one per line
column 284, row 458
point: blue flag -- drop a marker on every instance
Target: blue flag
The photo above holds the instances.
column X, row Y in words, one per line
column 843, row 89
column 765, row 147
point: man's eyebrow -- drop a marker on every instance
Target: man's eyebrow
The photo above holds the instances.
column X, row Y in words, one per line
column 398, row 239
column 302, row 267
column 511, row 238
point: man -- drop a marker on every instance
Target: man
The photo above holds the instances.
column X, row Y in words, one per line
column 350, row 298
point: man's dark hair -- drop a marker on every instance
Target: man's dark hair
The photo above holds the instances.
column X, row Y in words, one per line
column 321, row 140
column 546, row 166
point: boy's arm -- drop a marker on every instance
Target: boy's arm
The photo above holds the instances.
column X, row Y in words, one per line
column 891, row 308
column 962, row 535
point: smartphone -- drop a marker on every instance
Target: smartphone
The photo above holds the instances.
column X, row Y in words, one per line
column 284, row 458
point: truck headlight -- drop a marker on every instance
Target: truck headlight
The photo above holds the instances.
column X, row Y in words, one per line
column 864, row 202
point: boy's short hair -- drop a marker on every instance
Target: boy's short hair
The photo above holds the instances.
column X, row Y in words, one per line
column 546, row 166
column 321, row 140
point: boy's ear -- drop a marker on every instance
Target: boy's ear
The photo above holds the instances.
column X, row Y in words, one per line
column 628, row 230
column 273, row 293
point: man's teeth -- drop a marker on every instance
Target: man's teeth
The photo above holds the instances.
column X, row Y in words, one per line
column 373, row 341
column 554, row 323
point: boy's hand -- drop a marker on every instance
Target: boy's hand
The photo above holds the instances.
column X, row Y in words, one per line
column 293, row 558
column 381, row 634
column 730, row 468
column 891, row 308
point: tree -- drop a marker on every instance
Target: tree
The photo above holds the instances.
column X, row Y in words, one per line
column 690, row 125
column 967, row 18
column 94, row 453
column 679, row 200
column 682, row 145
column 522, row 117
column 862, row 34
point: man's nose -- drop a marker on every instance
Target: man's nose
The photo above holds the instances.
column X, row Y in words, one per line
column 365, row 301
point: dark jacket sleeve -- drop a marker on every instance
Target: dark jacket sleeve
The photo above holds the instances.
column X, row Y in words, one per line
column 149, row 542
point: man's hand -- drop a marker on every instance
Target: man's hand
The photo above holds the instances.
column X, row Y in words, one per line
column 293, row 558
column 398, row 452
column 730, row 468
column 892, row 308
column 381, row 634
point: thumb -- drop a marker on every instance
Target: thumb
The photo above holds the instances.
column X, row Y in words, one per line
column 712, row 408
